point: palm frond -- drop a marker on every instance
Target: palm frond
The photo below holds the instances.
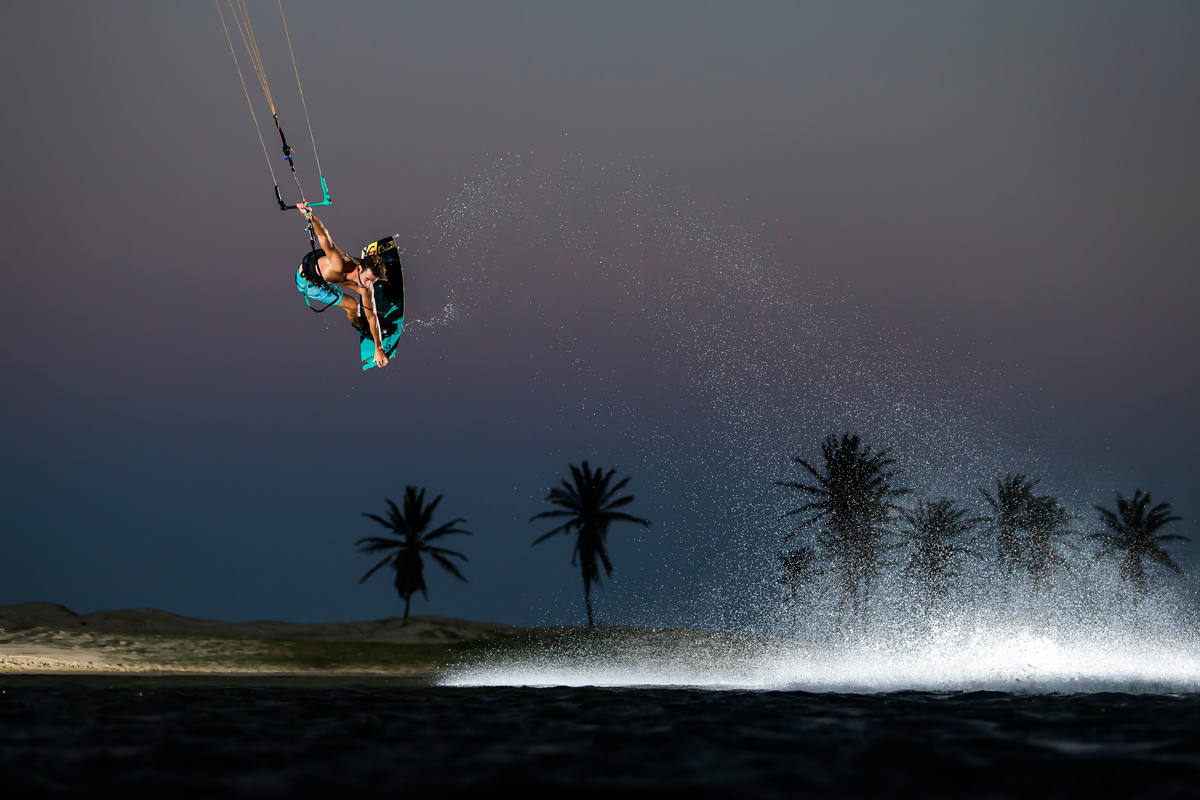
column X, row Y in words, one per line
column 385, row 523
column 560, row 529
column 445, row 552
column 821, row 479
column 804, row 487
column 377, row 543
column 371, row 571
column 608, row 491
column 549, row 514
column 448, row 565
column 621, row 516
column 620, row 501
column 446, row 530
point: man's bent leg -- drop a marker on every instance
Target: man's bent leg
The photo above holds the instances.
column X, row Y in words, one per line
column 349, row 304
column 330, row 295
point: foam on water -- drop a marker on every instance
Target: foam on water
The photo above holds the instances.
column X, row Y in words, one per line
column 1015, row 661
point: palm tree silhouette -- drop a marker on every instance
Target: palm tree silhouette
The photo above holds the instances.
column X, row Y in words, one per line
column 1010, row 507
column 1133, row 534
column 589, row 504
column 1046, row 522
column 854, row 504
column 931, row 530
column 405, row 557
column 799, row 566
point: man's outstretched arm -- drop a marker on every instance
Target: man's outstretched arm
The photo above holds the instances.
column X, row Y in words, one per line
column 368, row 301
column 324, row 240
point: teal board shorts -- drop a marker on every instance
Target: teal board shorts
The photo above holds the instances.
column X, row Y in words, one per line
column 322, row 294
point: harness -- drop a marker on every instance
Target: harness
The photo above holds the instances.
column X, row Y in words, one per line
column 310, row 271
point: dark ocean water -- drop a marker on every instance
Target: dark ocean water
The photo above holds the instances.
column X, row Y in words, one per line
column 88, row 736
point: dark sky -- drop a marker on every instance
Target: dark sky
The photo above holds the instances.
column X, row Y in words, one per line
column 684, row 239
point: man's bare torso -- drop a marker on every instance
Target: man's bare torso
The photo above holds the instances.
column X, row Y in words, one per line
column 345, row 279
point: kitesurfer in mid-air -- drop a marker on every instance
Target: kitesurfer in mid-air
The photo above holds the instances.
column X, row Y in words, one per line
column 344, row 281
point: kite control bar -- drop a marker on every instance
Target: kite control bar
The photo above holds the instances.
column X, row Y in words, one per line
column 327, row 201
column 288, row 152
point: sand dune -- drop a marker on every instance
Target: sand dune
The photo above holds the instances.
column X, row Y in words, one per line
column 48, row 637
column 423, row 629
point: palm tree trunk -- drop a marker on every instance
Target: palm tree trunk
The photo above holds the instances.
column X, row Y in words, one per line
column 841, row 609
column 866, row 604
column 1138, row 585
column 407, row 600
column 587, row 598
column 1007, row 593
column 794, row 603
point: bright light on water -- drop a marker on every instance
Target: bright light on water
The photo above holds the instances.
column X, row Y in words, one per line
column 1009, row 661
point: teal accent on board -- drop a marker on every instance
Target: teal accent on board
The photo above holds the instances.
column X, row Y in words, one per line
column 366, row 346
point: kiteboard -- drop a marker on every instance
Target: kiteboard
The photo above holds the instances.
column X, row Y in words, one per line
column 389, row 302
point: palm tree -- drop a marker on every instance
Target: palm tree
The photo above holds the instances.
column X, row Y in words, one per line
column 1046, row 522
column 1010, row 507
column 932, row 530
column 853, row 502
column 1133, row 533
column 590, row 505
column 799, row 567
column 405, row 557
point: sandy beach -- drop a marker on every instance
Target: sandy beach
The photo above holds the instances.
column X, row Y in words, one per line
column 50, row 638
column 47, row 637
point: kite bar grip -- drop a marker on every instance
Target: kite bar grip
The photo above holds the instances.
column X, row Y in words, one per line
column 324, row 191
column 328, row 201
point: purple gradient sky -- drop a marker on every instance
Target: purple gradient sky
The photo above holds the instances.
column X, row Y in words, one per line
column 1006, row 190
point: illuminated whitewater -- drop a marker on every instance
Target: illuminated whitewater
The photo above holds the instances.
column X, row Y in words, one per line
column 1015, row 661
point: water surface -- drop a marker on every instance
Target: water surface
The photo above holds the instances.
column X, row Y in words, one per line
column 90, row 736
